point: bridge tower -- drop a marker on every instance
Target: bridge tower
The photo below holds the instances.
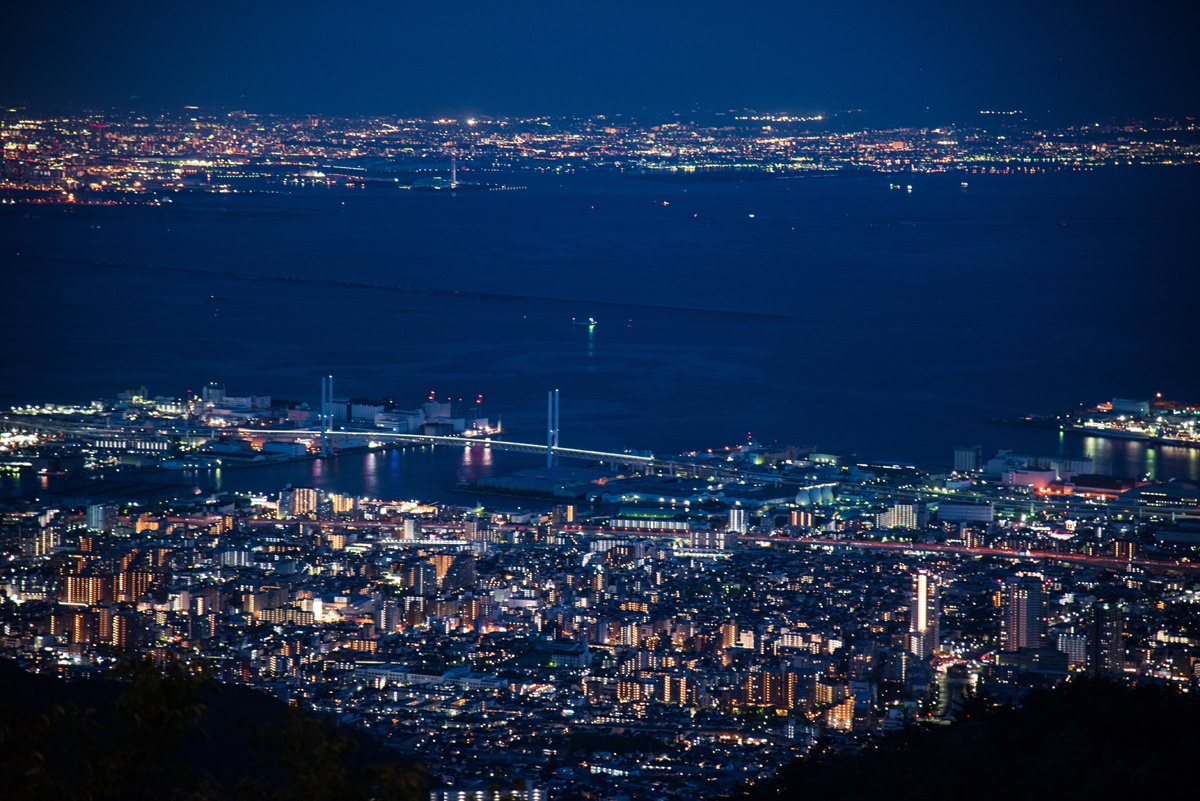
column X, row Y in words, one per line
column 551, row 426
column 326, row 413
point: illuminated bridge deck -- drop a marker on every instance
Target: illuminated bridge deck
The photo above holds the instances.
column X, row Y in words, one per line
column 429, row 439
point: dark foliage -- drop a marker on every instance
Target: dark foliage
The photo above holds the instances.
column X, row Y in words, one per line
column 162, row 731
column 1086, row 739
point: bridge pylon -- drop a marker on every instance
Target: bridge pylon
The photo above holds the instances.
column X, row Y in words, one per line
column 551, row 427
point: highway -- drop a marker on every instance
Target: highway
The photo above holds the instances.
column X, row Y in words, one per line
column 1104, row 562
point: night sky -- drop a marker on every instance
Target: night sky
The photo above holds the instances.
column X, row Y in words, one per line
column 1064, row 62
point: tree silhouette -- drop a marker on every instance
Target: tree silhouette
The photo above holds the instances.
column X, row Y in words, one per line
column 166, row 730
column 1086, row 739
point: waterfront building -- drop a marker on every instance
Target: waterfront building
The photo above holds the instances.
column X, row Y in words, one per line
column 968, row 460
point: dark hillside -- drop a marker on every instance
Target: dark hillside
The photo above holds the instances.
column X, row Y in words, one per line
column 1082, row 740
column 168, row 734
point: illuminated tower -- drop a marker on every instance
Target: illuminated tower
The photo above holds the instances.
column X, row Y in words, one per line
column 1024, row 621
column 326, row 413
column 551, row 426
column 923, row 631
column 1106, row 640
column 387, row 617
column 101, row 517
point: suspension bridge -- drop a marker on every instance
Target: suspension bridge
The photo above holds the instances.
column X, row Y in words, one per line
column 551, row 452
column 326, row 433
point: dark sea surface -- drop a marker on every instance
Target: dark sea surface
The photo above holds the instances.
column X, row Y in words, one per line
column 829, row 311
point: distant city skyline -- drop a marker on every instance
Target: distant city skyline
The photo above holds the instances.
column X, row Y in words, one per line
column 902, row 62
column 86, row 156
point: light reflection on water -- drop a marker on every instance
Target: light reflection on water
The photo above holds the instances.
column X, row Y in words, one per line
column 476, row 464
column 1123, row 457
column 440, row 474
column 418, row 473
column 685, row 354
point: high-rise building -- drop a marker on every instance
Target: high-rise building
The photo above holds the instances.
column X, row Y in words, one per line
column 387, row 617
column 86, row 590
column 1075, row 647
column 421, row 578
column 841, row 716
column 101, row 517
column 800, row 517
column 461, row 573
column 968, row 459
column 122, row 630
column 710, row 538
column 898, row 515
column 1024, row 621
column 342, row 503
column 1124, row 550
column 738, row 521
column 770, row 688
column 299, row 502
column 923, row 631
column 1106, row 640
column 304, row 501
column 672, row 689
